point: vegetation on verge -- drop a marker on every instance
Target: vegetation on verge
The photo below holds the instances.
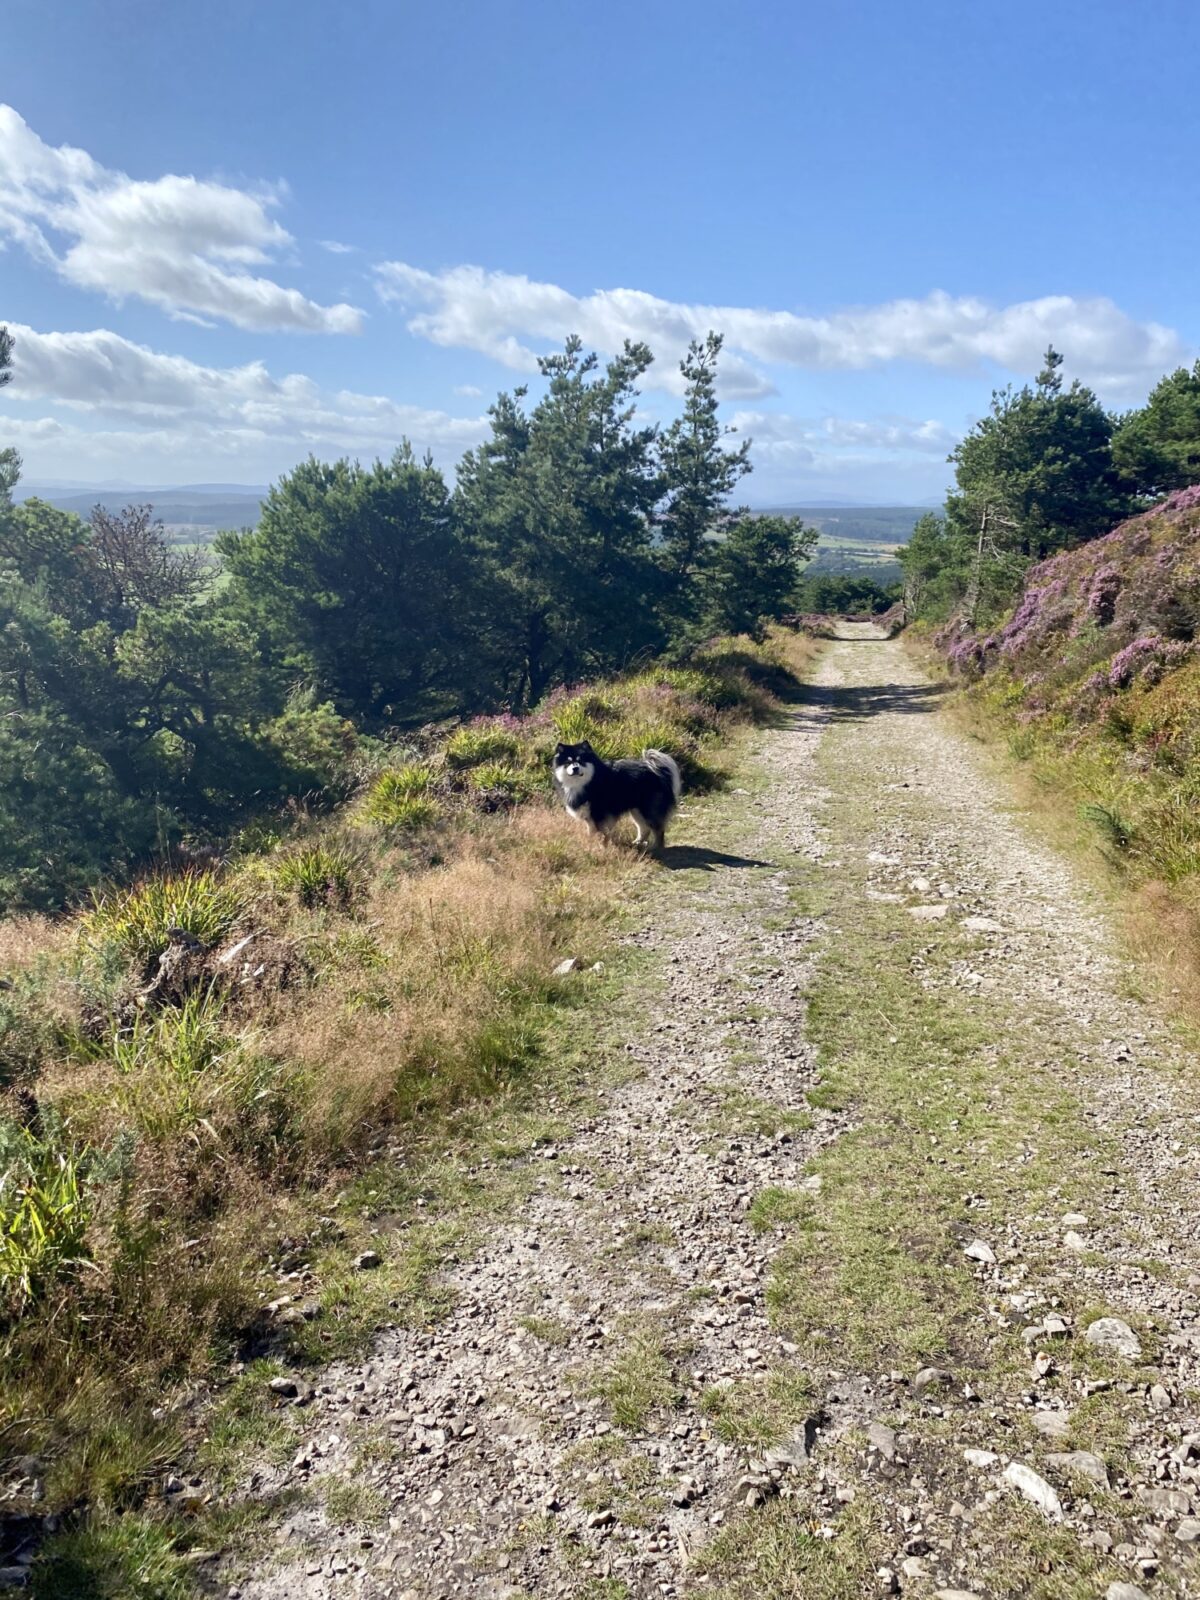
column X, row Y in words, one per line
column 226, row 1075
column 146, row 707
column 1094, row 679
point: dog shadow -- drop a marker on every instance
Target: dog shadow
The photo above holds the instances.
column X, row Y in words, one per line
column 698, row 858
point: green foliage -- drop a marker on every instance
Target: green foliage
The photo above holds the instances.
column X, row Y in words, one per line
column 358, row 577
column 320, row 875
column 44, row 1212
column 839, row 593
column 1033, row 477
column 469, row 746
column 698, row 473
column 755, row 571
column 135, row 922
column 400, row 799
column 1157, row 448
column 560, row 499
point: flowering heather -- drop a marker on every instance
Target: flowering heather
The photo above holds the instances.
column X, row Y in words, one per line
column 1040, row 612
column 501, row 722
column 1102, row 594
column 1147, row 658
column 1182, row 499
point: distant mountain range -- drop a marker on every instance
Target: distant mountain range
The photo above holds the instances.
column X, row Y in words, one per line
column 198, row 510
column 200, row 507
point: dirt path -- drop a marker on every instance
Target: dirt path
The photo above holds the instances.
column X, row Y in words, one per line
column 690, row 1363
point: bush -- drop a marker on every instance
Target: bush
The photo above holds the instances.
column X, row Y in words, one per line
column 135, row 922
column 400, row 799
column 320, row 875
column 478, row 743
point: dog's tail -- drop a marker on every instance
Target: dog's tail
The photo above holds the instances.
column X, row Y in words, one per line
column 662, row 762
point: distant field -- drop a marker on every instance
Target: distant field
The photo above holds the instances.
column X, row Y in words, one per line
column 859, row 524
column 858, row 539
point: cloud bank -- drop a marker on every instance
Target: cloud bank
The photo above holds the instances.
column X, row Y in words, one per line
column 136, row 403
column 499, row 313
column 180, row 243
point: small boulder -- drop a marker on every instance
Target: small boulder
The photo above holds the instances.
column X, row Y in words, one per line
column 928, row 913
column 1188, row 1531
column 980, row 1458
column 368, row 1261
column 930, row 1378
column 1111, row 1333
column 1052, row 1424
column 1035, row 1489
column 883, row 1439
column 1081, row 1461
column 565, row 968
column 977, row 1250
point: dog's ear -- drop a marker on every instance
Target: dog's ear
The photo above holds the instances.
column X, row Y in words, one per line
column 559, row 749
column 585, row 748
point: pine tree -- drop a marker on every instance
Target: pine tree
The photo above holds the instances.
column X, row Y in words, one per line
column 698, row 474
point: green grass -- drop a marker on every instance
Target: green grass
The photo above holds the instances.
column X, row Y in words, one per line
column 475, row 746
column 113, row 1560
column 639, row 1379
column 348, row 1501
column 321, row 875
column 400, row 799
column 134, row 922
column 760, row 1411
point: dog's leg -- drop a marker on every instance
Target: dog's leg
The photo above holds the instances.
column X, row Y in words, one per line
column 639, row 823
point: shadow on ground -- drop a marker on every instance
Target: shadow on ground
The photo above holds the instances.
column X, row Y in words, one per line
column 697, row 857
column 858, row 703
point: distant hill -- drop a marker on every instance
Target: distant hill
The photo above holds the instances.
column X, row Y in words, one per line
column 862, row 540
column 868, row 524
column 199, row 510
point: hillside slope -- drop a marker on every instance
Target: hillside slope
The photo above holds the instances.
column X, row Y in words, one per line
column 1097, row 674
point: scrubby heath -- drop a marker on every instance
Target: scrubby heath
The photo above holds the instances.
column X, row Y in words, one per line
column 212, row 1076
column 153, row 698
column 1095, row 675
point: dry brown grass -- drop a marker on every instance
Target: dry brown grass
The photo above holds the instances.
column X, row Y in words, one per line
column 217, row 1135
column 27, row 940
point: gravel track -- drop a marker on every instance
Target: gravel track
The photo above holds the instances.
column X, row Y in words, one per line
column 501, row 1470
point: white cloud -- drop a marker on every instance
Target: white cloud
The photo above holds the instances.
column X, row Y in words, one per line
column 495, row 312
column 336, row 248
column 470, row 390
column 181, row 243
column 169, row 409
column 778, row 436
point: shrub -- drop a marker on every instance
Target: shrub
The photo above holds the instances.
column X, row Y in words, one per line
column 135, row 922
column 44, row 1213
column 497, row 781
column 478, row 743
column 320, row 875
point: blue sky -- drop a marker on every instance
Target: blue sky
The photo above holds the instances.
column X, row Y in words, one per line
column 237, row 233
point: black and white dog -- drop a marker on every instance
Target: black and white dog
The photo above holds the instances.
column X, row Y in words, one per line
column 600, row 793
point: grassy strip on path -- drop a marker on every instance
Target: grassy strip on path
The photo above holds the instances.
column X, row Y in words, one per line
column 959, row 1132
